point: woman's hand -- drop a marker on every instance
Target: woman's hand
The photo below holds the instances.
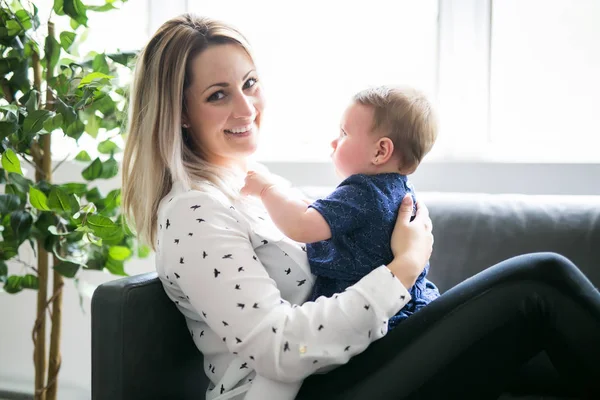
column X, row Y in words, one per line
column 412, row 242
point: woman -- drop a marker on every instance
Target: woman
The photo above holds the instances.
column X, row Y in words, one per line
column 195, row 115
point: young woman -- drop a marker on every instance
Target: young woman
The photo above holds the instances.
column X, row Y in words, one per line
column 196, row 108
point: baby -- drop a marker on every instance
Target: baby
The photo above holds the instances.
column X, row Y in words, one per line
column 385, row 132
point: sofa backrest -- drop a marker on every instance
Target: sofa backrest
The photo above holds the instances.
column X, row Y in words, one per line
column 475, row 231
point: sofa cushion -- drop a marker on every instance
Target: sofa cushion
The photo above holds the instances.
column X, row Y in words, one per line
column 475, row 231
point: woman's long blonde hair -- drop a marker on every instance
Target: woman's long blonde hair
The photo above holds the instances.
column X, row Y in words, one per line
column 158, row 151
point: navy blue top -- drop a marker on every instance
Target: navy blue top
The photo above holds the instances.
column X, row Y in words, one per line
column 361, row 213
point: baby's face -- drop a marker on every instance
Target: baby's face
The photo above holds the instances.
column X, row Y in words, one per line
column 354, row 148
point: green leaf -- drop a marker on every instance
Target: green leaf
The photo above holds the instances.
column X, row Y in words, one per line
column 10, row 162
column 8, row 128
column 8, row 64
column 115, row 267
column 75, row 130
column 14, row 190
column 52, row 50
column 103, row 227
column 58, row 7
column 93, row 171
column 32, row 100
column 35, row 120
column 13, row 28
column 9, row 203
column 38, row 199
column 76, row 10
column 53, row 123
column 74, row 188
column 20, row 182
column 59, row 200
column 110, row 168
column 105, row 7
column 143, row 251
column 93, row 125
column 20, row 222
column 25, row 19
column 113, row 199
column 122, row 58
column 67, row 39
column 30, row 281
column 3, row 271
column 8, row 250
column 107, row 147
column 94, row 76
column 119, row 253
column 83, row 156
column 12, row 109
column 68, row 113
column 94, row 195
column 13, row 284
column 74, row 24
column 67, row 269
column 2, row 176
column 100, row 65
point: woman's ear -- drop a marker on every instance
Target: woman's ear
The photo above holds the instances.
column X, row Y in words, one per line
column 185, row 123
column 384, row 149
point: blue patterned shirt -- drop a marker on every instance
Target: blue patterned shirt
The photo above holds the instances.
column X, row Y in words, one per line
column 361, row 213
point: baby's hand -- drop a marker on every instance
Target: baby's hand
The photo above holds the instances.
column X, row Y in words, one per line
column 256, row 184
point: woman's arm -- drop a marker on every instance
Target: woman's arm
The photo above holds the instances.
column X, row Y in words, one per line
column 213, row 261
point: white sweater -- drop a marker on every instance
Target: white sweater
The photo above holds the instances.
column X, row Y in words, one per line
column 242, row 286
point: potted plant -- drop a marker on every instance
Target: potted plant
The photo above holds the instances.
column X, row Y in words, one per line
column 48, row 90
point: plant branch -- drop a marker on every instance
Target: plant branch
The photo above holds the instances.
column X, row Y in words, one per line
column 61, row 162
column 24, row 263
column 8, row 95
column 33, row 164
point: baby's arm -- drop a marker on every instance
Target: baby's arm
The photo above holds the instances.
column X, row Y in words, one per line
column 291, row 215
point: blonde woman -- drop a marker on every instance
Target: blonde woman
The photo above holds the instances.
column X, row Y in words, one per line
column 195, row 116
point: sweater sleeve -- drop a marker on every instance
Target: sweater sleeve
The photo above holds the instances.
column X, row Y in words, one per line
column 209, row 253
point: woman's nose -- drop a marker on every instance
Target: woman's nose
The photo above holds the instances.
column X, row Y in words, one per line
column 334, row 143
column 243, row 106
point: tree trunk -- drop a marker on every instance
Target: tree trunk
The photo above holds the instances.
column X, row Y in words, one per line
column 55, row 357
column 39, row 328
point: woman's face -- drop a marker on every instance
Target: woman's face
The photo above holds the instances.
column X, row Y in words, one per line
column 224, row 104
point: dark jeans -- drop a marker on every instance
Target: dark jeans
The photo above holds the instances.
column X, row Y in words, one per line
column 472, row 342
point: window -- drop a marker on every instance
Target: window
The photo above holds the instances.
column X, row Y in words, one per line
column 513, row 80
column 545, row 79
column 313, row 55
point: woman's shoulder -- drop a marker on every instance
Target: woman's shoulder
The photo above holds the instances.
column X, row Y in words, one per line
column 201, row 195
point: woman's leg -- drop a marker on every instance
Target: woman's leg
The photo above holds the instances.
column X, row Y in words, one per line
column 470, row 342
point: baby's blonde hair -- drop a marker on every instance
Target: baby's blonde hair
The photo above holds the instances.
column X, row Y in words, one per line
column 158, row 151
column 406, row 116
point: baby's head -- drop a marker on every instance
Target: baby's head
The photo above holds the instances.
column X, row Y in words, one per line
column 385, row 129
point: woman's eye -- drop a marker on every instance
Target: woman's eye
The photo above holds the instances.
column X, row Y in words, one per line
column 250, row 82
column 216, row 96
column 342, row 133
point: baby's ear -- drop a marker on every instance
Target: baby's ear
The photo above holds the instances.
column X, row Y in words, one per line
column 384, row 149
